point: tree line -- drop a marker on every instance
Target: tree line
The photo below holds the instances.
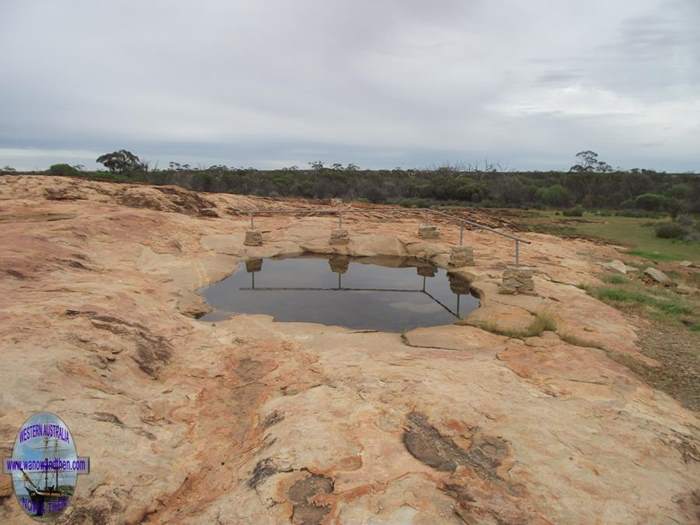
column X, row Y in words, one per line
column 590, row 183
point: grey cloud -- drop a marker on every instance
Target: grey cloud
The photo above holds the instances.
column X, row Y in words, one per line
column 378, row 83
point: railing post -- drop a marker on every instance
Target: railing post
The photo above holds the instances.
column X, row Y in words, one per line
column 252, row 226
column 340, row 221
column 517, row 252
column 461, row 234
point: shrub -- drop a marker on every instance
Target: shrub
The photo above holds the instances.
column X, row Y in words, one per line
column 63, row 169
column 576, row 211
column 670, row 230
column 680, row 191
column 650, row 201
column 685, row 220
column 555, row 195
column 639, row 214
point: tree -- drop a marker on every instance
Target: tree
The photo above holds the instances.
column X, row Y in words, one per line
column 555, row 195
column 63, row 169
column 121, row 161
column 694, row 198
column 588, row 163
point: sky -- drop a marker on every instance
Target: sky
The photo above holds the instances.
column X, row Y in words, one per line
column 377, row 83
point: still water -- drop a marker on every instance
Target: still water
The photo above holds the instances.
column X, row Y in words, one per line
column 388, row 294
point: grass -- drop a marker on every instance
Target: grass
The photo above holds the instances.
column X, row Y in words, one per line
column 695, row 327
column 578, row 341
column 636, row 233
column 539, row 324
column 655, row 256
column 616, row 279
column 640, row 235
column 663, row 306
column 542, row 322
column 623, row 296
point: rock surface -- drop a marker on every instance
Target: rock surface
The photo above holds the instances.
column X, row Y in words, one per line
column 618, row 266
column 252, row 421
column 657, row 276
column 684, row 289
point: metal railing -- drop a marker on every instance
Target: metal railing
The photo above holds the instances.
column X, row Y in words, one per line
column 340, row 212
column 463, row 221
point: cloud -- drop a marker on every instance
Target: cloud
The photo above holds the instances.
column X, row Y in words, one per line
column 377, row 83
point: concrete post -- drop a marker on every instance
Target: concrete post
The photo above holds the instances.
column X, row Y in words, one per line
column 428, row 231
column 339, row 237
column 516, row 280
column 461, row 256
column 253, row 238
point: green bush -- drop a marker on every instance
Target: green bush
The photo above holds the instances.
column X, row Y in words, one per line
column 555, row 195
column 576, row 211
column 650, row 201
column 639, row 214
column 63, row 169
column 685, row 220
column 670, row 230
column 680, row 191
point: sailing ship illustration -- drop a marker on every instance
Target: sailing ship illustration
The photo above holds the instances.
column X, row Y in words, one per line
column 45, row 493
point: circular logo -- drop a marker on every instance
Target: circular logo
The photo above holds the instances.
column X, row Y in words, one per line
column 45, row 466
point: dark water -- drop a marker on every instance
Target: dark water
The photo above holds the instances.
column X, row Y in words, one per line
column 388, row 294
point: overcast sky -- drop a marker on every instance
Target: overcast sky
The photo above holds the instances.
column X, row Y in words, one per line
column 379, row 83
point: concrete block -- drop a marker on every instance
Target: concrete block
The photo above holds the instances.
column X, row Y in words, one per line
column 517, row 280
column 253, row 238
column 339, row 237
column 428, row 231
column 461, row 256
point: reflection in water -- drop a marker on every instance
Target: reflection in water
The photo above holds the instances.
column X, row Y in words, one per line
column 390, row 294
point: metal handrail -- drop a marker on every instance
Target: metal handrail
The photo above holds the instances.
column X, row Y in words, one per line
column 480, row 226
column 339, row 213
column 517, row 240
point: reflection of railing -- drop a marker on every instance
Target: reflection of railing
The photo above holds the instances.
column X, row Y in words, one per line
column 340, row 288
column 412, row 211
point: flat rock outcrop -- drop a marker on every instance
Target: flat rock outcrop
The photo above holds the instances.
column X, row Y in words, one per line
column 248, row 420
